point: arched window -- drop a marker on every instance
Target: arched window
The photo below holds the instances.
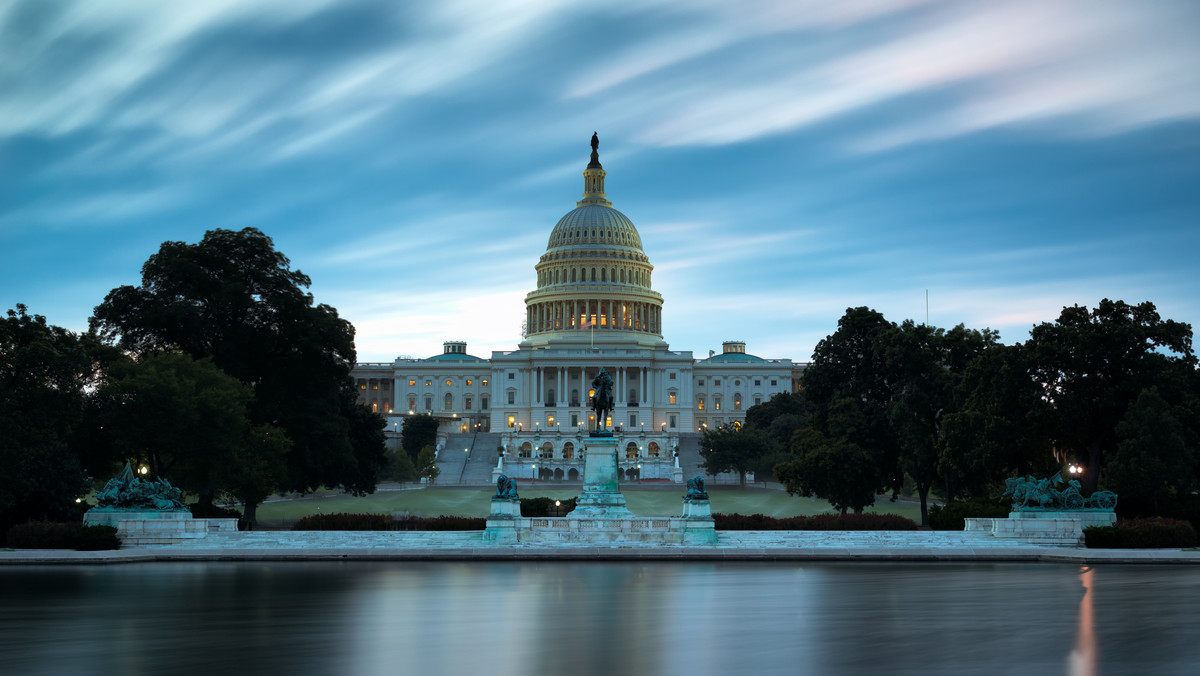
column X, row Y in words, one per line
column 526, row 450
column 613, row 276
column 593, row 274
column 737, row 402
column 547, row 450
column 374, row 407
column 633, row 395
column 574, row 397
column 572, row 274
column 700, row 404
column 569, row 451
column 652, row 449
column 622, row 275
column 603, row 275
column 631, row 451
column 550, row 397
column 449, row 401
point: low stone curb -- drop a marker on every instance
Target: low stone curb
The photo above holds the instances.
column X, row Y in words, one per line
column 577, row 553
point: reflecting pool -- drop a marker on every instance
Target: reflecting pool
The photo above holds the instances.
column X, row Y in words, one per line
column 613, row 619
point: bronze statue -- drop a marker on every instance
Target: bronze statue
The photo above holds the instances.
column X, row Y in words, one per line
column 602, row 400
column 595, row 142
column 695, row 489
column 506, row 488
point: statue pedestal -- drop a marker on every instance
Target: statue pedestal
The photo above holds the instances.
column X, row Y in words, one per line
column 601, row 496
column 697, row 509
column 504, row 508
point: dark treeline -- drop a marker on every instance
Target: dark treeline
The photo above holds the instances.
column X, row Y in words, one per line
column 1114, row 389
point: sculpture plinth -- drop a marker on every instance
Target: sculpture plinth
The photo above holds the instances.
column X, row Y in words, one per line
column 601, row 496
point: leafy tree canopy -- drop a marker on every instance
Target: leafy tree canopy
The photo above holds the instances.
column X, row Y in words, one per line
column 233, row 298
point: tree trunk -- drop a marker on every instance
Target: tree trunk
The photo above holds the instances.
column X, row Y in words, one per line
column 742, row 476
column 250, row 514
column 205, row 497
column 923, row 491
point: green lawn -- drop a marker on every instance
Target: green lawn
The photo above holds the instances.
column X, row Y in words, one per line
column 476, row 501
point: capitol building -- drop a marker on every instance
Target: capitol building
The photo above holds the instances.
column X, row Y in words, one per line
column 593, row 307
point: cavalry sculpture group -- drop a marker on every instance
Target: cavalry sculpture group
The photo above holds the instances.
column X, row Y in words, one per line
column 1042, row 494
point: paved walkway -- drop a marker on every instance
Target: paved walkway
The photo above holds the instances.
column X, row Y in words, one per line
column 933, row 546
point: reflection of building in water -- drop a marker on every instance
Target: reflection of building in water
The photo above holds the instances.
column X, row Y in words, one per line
column 593, row 307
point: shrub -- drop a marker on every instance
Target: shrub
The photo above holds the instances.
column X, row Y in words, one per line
column 343, row 521
column 49, row 535
column 385, row 522
column 441, row 523
column 815, row 522
column 951, row 515
column 541, row 507
column 200, row 511
column 1151, row 533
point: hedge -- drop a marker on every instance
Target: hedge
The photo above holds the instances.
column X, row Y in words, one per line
column 540, row 507
column 951, row 515
column 1154, row 533
column 342, row 521
column 200, row 511
column 50, row 535
column 815, row 522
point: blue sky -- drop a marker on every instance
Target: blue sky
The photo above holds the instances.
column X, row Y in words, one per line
column 782, row 160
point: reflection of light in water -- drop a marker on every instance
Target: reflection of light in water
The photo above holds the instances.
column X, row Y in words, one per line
column 1083, row 657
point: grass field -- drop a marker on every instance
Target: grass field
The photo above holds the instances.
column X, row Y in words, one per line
column 658, row 501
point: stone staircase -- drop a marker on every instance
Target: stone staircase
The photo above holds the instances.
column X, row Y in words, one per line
column 689, row 457
column 481, row 460
column 451, row 459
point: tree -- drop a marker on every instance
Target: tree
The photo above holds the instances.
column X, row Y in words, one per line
column 417, row 432
column 400, row 467
column 189, row 421
column 994, row 430
column 1092, row 365
column 44, row 370
column 728, row 449
column 427, row 464
column 833, row 467
column 233, row 298
column 1153, row 463
column 923, row 365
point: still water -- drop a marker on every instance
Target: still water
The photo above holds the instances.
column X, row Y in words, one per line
column 490, row 619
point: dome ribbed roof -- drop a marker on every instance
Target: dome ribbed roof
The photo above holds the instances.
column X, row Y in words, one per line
column 595, row 224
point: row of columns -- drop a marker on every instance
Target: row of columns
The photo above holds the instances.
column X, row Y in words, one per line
column 561, row 315
column 620, row 384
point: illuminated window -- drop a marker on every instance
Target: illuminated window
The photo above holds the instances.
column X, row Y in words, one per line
column 652, row 449
column 428, row 383
column 550, row 420
column 671, row 397
column 375, row 387
column 412, row 382
column 700, row 405
column 467, row 403
column 737, row 402
column 448, row 382
column 485, row 382
column 511, row 421
column 469, row 381
column 412, row 403
column 716, row 403
column 449, row 401
column 631, row 450
column 362, row 387
column 526, row 450
column 374, row 407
